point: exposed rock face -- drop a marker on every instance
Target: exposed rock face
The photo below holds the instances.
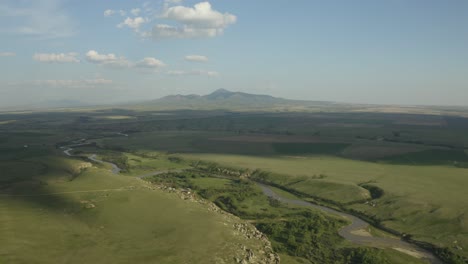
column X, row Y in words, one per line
column 265, row 255
column 87, row 204
column 262, row 253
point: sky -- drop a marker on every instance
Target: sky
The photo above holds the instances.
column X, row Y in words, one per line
column 108, row 51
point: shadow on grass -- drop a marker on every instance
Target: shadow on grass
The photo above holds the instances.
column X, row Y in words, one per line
column 32, row 186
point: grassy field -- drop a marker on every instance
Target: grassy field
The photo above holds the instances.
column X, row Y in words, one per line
column 425, row 201
column 99, row 217
column 418, row 161
column 299, row 234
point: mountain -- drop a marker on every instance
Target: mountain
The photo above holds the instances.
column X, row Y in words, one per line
column 223, row 99
column 220, row 94
column 223, row 94
column 219, row 99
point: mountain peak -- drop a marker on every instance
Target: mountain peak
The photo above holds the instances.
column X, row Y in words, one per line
column 222, row 91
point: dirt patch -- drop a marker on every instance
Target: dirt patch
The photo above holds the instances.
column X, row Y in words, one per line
column 410, row 252
column 361, row 232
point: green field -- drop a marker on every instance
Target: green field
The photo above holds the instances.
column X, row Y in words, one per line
column 425, row 201
column 99, row 217
column 404, row 172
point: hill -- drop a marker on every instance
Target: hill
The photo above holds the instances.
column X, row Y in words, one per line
column 227, row 100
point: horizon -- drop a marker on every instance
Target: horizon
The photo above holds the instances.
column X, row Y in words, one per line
column 75, row 104
column 378, row 53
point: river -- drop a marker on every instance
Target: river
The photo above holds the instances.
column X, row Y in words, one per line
column 351, row 232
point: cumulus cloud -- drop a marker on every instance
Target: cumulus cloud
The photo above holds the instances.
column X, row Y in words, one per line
column 196, row 58
column 57, row 57
column 133, row 23
column 7, row 54
column 150, row 63
column 201, row 15
column 84, row 83
column 198, row 21
column 193, row 72
column 110, row 59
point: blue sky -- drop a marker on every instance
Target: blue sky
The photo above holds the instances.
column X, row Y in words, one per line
column 366, row 51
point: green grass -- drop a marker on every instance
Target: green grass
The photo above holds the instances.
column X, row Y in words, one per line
column 308, row 148
column 399, row 257
column 425, row 201
column 284, row 194
column 5, row 122
column 129, row 223
column 206, row 183
column 286, row 259
column 148, row 162
column 430, row 157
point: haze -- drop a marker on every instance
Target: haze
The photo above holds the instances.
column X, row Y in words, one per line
column 96, row 52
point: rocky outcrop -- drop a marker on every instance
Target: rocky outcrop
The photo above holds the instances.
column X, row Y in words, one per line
column 260, row 253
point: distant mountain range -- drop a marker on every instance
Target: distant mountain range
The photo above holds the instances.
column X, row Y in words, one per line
column 227, row 100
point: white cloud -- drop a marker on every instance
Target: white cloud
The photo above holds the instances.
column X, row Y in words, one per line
column 161, row 31
column 110, row 59
column 150, row 63
column 7, row 54
column 194, row 22
column 44, row 19
column 84, row 83
column 111, row 12
column 135, row 11
column 201, row 15
column 193, row 72
column 56, row 57
column 196, row 58
column 134, row 23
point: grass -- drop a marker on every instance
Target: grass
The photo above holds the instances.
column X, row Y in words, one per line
column 5, row 122
column 206, row 183
column 116, row 117
column 425, row 201
column 430, row 157
column 308, row 148
column 128, row 222
column 142, row 163
column 291, row 229
column 423, row 188
column 284, row 194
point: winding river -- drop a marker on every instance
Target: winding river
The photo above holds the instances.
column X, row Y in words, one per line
column 352, row 232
